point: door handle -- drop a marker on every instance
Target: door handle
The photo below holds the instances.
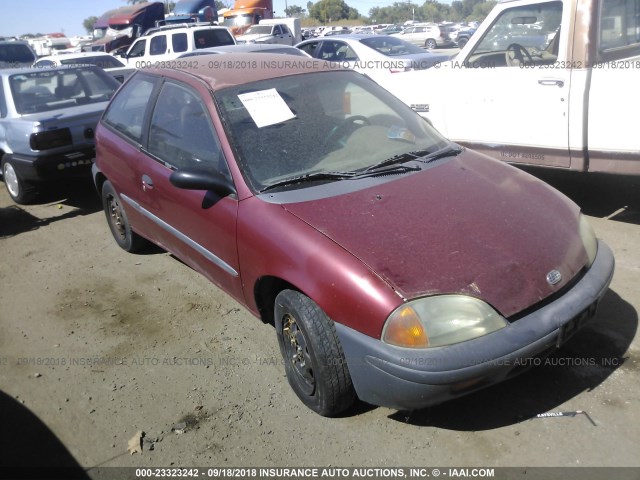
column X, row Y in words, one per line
column 551, row 82
column 147, row 183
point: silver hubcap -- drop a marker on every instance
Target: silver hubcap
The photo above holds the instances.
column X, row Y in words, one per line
column 11, row 180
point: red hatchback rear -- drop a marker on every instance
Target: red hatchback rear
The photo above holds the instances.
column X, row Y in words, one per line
column 396, row 266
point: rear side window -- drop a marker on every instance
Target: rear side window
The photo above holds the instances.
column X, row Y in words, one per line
column 212, row 38
column 158, row 45
column 127, row 110
column 179, row 42
column 619, row 29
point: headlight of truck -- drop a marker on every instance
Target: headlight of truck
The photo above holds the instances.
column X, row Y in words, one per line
column 440, row 320
column 589, row 239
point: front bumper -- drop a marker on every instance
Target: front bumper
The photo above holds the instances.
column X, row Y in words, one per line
column 54, row 167
column 408, row 379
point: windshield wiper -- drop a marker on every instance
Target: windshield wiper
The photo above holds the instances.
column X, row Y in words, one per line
column 450, row 151
column 396, row 159
column 311, row 177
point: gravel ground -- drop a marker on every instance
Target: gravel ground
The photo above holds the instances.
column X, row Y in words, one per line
column 97, row 344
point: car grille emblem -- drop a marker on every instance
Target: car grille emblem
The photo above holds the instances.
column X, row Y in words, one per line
column 553, row 277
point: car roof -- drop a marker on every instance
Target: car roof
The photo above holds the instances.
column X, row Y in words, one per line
column 75, row 55
column 263, row 66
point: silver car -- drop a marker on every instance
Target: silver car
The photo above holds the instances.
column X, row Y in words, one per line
column 429, row 36
column 48, row 118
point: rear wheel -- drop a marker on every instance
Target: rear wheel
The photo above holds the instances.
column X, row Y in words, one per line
column 313, row 357
column 430, row 44
column 462, row 42
column 126, row 238
column 20, row 191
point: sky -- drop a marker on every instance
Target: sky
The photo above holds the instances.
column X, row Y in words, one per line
column 47, row 16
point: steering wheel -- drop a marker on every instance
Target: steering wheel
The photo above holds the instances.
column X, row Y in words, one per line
column 346, row 127
column 515, row 55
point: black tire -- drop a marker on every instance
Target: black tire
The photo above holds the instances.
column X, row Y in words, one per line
column 314, row 361
column 430, row 44
column 20, row 191
column 126, row 238
column 462, row 42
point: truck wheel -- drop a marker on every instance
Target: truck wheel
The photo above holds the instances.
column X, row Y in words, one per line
column 430, row 44
column 126, row 238
column 313, row 358
column 18, row 189
column 462, row 42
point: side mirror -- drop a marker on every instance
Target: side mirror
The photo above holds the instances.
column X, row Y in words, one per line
column 198, row 178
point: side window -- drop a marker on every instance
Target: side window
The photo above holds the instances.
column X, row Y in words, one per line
column 619, row 29
column 179, row 42
column 277, row 30
column 138, row 49
column 310, row 48
column 344, row 53
column 212, row 38
column 127, row 109
column 158, row 45
column 181, row 134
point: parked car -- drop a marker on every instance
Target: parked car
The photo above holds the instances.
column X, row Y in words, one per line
column 16, row 54
column 396, row 266
column 277, row 33
column 108, row 63
column 389, row 29
column 430, row 36
column 47, row 121
column 167, row 43
column 377, row 56
column 463, row 36
column 248, row 48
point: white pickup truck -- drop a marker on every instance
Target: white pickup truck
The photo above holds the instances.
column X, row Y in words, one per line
column 548, row 83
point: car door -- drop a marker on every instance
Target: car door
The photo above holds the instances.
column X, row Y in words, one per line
column 199, row 227
column 282, row 35
column 520, row 108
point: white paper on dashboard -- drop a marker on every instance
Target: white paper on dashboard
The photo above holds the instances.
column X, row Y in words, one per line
column 266, row 107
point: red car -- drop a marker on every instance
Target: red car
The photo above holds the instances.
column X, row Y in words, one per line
column 396, row 266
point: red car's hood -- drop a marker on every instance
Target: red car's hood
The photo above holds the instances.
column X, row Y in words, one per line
column 471, row 226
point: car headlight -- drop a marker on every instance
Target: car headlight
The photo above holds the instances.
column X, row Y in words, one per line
column 589, row 239
column 440, row 320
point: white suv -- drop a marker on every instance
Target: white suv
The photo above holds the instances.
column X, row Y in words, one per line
column 168, row 42
column 428, row 35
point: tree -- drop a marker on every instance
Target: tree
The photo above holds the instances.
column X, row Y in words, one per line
column 220, row 5
column 87, row 23
column 294, row 11
column 481, row 10
column 332, row 10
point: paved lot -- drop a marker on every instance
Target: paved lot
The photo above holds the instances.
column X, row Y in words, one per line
column 97, row 344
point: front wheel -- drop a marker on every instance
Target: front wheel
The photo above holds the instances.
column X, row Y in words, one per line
column 462, row 42
column 430, row 44
column 314, row 361
column 18, row 189
column 126, row 238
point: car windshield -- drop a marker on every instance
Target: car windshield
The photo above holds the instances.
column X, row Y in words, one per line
column 325, row 126
column 16, row 53
column 42, row 91
column 259, row 29
column 391, row 46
